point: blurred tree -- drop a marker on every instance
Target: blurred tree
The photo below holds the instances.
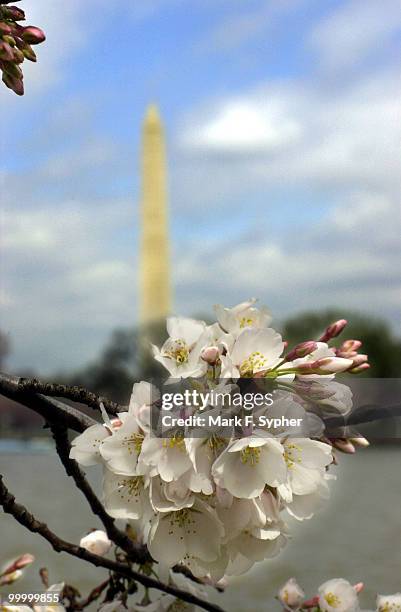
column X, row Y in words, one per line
column 379, row 343
column 125, row 359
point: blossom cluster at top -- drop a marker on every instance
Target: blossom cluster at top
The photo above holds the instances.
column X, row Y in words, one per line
column 335, row 595
column 216, row 504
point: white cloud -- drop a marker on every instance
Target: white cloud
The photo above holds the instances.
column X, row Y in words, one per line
column 355, row 31
column 338, row 263
column 344, row 137
column 65, row 285
column 245, row 127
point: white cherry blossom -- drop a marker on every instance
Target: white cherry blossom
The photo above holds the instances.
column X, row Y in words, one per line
column 85, row 449
column 180, row 354
column 120, row 451
column 247, row 465
column 306, row 462
column 195, row 531
column 143, row 395
column 242, row 316
column 338, row 595
column 166, row 457
column 389, row 603
column 170, row 496
column 255, row 351
column 125, row 497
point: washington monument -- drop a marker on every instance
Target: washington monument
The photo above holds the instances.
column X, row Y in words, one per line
column 155, row 290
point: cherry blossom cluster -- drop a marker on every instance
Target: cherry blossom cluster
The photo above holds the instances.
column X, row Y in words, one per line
column 335, row 595
column 16, row 45
column 215, row 503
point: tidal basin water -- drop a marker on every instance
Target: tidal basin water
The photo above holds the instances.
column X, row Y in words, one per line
column 357, row 535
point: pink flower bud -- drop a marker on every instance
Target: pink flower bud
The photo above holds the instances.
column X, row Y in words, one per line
column 301, row 350
column 359, row 587
column 311, row 603
column 362, row 368
column 346, row 354
column 96, row 542
column 360, row 441
column 116, row 423
column 6, row 52
column 350, row 346
column 326, row 365
column 18, row 56
column 11, row 577
column 5, row 28
column 332, row 365
column 22, row 562
column 345, row 446
column 359, row 360
column 29, row 53
column 210, row 354
column 13, row 12
column 14, row 83
column 334, row 330
column 33, row 35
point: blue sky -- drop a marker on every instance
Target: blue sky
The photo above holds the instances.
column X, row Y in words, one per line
column 283, row 130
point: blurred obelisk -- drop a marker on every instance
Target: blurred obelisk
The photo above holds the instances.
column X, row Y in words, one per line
column 155, row 290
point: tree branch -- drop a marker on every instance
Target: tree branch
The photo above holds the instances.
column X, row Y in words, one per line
column 49, row 409
column 138, row 554
column 25, row 518
column 76, row 394
column 61, row 416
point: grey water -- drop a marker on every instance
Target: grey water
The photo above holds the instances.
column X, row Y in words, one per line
column 357, row 535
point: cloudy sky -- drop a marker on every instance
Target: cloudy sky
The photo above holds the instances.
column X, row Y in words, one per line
column 283, row 124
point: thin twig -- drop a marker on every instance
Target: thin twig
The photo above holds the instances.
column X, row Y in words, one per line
column 25, row 518
column 138, row 554
column 93, row 595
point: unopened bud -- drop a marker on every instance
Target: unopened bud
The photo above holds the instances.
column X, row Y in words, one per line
column 334, row 330
column 29, row 53
column 210, row 354
column 326, row 365
column 313, row 602
column 360, row 441
column 96, row 542
column 343, row 445
column 11, row 577
column 359, row 360
column 362, row 368
column 349, row 346
column 291, row 595
column 301, row 350
column 13, row 83
column 13, row 70
column 13, row 12
column 4, row 28
column 33, row 35
column 6, row 52
column 18, row 56
column 20, row 563
column 359, row 586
